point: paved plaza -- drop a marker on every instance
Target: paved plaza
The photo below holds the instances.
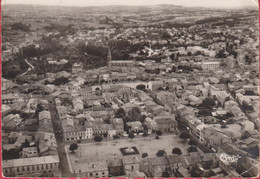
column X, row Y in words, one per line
column 109, row 149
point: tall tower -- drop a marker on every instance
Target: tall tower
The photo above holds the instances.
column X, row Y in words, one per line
column 109, row 57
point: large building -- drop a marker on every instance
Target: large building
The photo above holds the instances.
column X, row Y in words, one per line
column 77, row 67
column 74, row 133
column 11, row 98
column 92, row 170
column 6, row 84
column 210, row 65
column 47, row 166
column 118, row 63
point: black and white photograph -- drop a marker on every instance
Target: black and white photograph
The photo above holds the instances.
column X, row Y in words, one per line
column 130, row 89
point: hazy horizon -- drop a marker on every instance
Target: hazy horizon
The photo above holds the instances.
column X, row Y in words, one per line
column 186, row 3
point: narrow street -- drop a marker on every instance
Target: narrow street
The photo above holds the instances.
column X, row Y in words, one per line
column 65, row 169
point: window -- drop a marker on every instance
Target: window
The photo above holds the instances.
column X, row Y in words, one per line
column 37, row 167
column 96, row 174
column 6, row 171
column 28, row 168
column 103, row 173
column 91, row 174
column 33, row 168
column 42, row 167
column 132, row 167
column 18, row 169
column 51, row 166
column 46, row 166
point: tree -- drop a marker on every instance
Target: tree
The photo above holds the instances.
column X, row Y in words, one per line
column 221, row 54
column 223, row 125
column 245, row 135
column 144, row 155
column 10, row 154
column 26, row 144
column 184, row 135
column 160, row 153
column 145, row 134
column 227, row 99
column 126, row 119
column 60, row 81
column 165, row 175
column 192, row 142
column 234, row 53
column 192, row 149
column 160, row 89
column 120, row 113
column 140, row 87
column 20, row 26
column 157, row 71
column 116, row 137
column 176, row 150
column 135, row 114
column 246, row 107
column 98, row 138
column 208, row 102
column 39, row 109
column 204, row 112
column 248, row 59
column 131, row 135
column 198, row 53
column 165, row 35
column 73, row 147
column 159, row 133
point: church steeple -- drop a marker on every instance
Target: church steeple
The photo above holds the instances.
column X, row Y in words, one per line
column 109, row 57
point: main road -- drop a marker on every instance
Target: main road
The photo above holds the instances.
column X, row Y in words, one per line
column 65, row 168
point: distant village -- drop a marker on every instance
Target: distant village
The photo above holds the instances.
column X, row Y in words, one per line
column 185, row 104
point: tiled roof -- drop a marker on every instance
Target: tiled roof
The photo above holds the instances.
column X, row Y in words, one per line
column 158, row 161
column 30, row 161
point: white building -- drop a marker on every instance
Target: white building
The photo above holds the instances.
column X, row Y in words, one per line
column 74, row 133
column 47, row 166
column 210, row 65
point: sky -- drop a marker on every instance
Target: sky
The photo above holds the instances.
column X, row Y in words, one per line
column 192, row 3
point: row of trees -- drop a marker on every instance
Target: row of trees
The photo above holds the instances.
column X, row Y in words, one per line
column 20, row 26
column 62, row 29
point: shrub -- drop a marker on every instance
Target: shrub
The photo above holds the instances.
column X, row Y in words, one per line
column 98, row 138
column 144, row 155
column 73, row 147
column 176, row 150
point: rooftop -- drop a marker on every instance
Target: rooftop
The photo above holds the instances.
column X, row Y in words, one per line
column 91, row 167
column 132, row 159
column 30, row 161
column 158, row 161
